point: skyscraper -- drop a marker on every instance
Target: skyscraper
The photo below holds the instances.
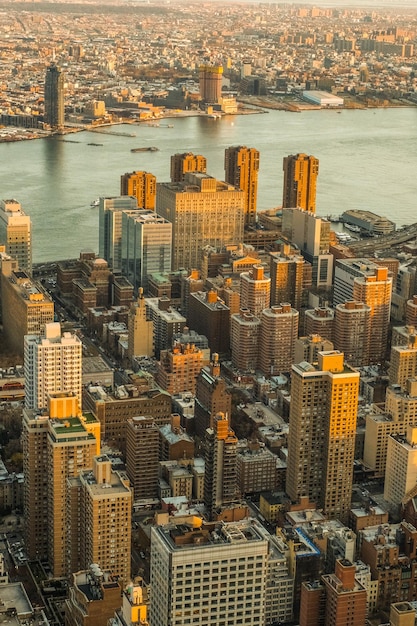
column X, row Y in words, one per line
column 203, row 211
column 300, row 181
column 220, row 481
column 140, row 329
column 290, row 277
column 110, row 228
column 142, row 456
column 241, row 166
column 146, row 246
column 321, row 442
column 99, row 510
column 255, row 290
column 211, row 83
column 52, row 364
column 182, row 163
column 16, row 233
column 142, row 186
column 375, row 291
column 244, row 340
column 352, row 332
column 277, row 335
column 57, row 445
column 54, row 97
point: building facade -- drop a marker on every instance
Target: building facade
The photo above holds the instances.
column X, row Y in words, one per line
column 241, row 166
column 300, row 182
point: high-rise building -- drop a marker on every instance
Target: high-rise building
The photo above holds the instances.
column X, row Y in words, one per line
column 142, row 456
column 179, row 367
column 16, row 233
column 290, row 277
column 53, row 363
column 403, row 364
column 401, row 467
column 345, row 272
column 277, row 335
column 54, row 97
column 182, row 163
column 319, row 321
column 311, row 234
column 209, row 316
column 352, row 332
column 146, row 246
column 57, row 445
column 212, row 397
column 307, row 348
column 255, row 290
column 140, row 329
column 93, row 597
column 99, row 513
column 411, row 311
column 375, row 291
column 203, row 211
column 167, row 322
column 26, row 308
column 241, row 166
column 244, row 340
column 220, row 482
column 321, row 442
column 110, row 228
column 210, row 77
column 142, row 186
column 300, row 182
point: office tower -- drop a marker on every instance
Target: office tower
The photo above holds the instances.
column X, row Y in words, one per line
column 167, row 322
column 53, row 363
column 277, row 335
column 146, row 246
column 241, row 166
column 54, row 97
column 26, row 309
column 319, row 321
column 401, row 467
column 345, row 272
column 210, row 78
column 403, row 364
column 321, row 442
column 244, row 340
column 179, row 367
column 203, row 211
column 142, row 186
column 211, row 397
column 182, row 163
column 411, row 312
column 352, row 330
column 255, row 290
column 346, row 598
column 375, row 291
column 57, row 445
column 93, row 597
column 110, row 214
column 142, row 456
column 140, row 329
column 102, row 518
column 300, row 181
column 290, row 277
column 238, row 553
column 16, row 233
column 220, row 485
column 209, row 316
column 307, row 348
column 311, row 234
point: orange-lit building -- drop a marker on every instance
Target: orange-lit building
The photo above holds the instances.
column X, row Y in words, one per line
column 255, row 290
column 182, row 163
column 211, row 83
column 300, row 182
column 241, row 166
column 142, row 186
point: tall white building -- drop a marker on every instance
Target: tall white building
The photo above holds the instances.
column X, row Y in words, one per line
column 52, row 363
column 16, row 233
column 217, row 574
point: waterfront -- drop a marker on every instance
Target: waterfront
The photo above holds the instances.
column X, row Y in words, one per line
column 368, row 160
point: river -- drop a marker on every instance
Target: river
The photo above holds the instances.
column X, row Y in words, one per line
column 368, row 160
